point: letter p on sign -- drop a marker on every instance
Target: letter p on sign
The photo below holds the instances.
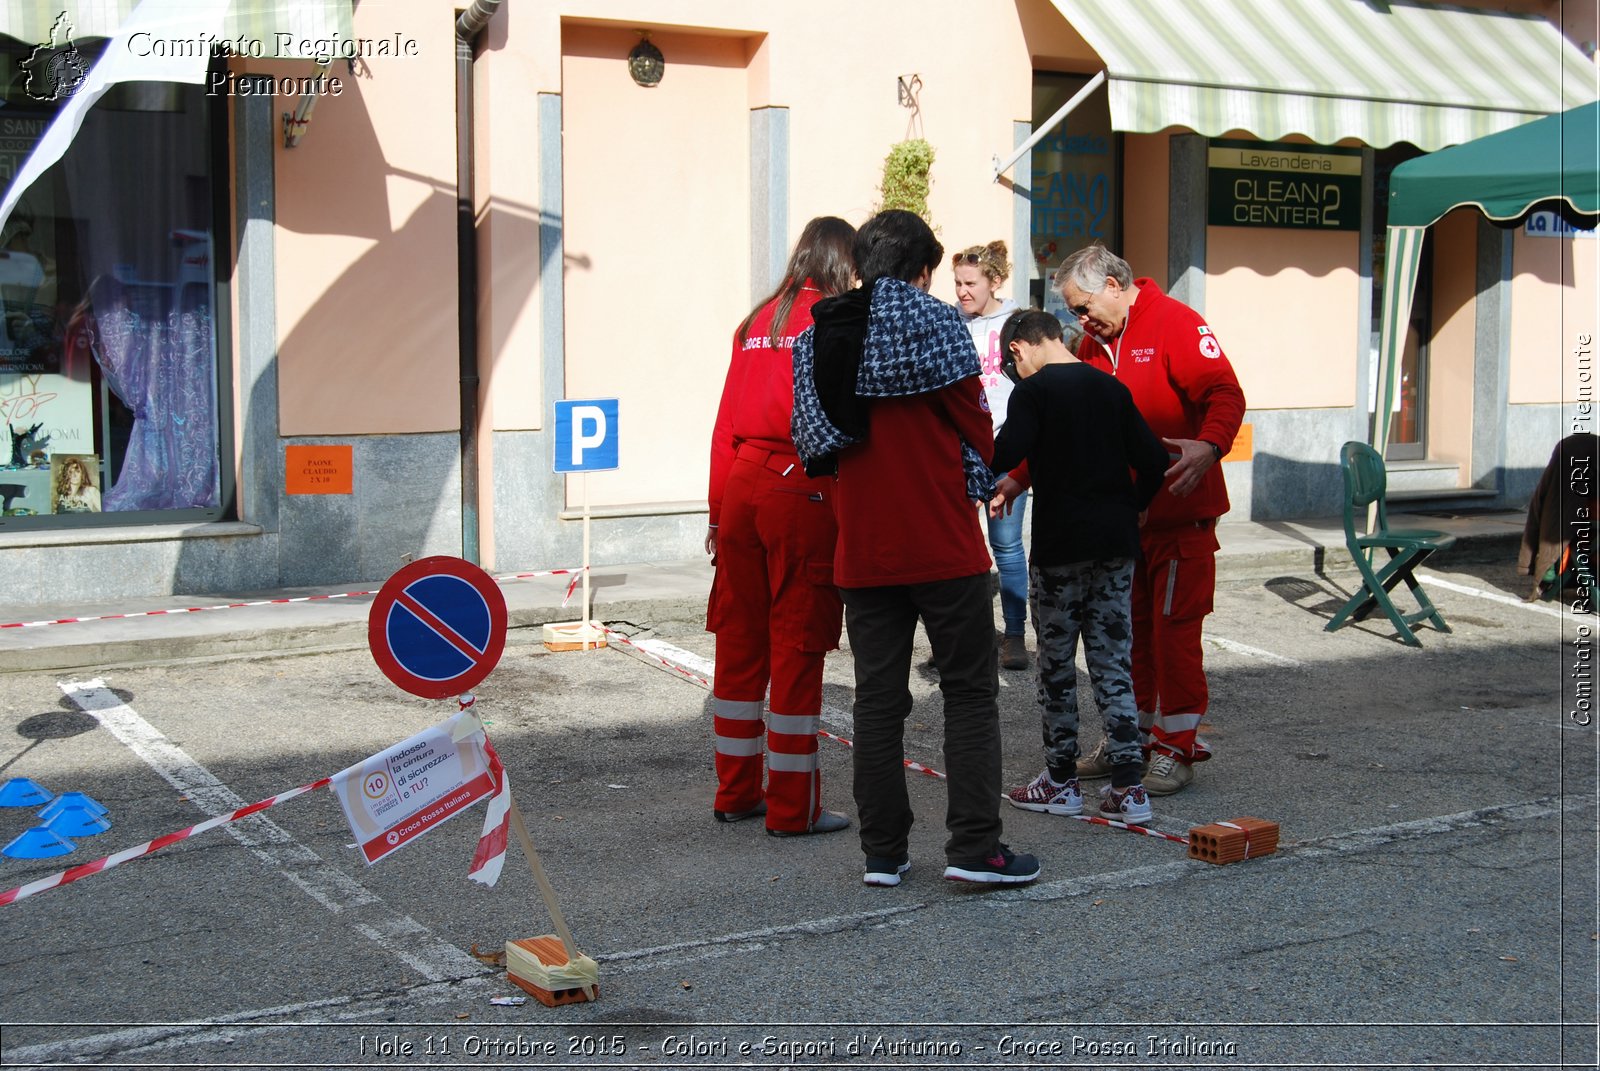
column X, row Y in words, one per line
column 586, row 435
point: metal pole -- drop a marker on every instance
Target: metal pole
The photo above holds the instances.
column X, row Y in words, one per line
column 1049, row 124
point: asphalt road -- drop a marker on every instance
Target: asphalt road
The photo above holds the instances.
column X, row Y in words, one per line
column 1433, row 901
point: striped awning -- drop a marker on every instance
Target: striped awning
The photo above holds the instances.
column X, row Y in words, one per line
column 283, row 29
column 1380, row 71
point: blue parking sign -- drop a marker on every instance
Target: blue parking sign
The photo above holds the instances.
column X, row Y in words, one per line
column 586, row 435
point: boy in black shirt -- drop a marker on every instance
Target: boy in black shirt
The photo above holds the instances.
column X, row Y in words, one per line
column 1080, row 434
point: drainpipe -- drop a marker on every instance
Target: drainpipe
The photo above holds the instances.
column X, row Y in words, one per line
column 468, row 26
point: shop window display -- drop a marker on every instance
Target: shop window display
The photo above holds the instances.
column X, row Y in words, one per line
column 108, row 340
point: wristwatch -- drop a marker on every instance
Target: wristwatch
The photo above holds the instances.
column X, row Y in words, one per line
column 1216, row 452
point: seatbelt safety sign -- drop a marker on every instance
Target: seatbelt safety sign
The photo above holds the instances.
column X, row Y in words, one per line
column 399, row 794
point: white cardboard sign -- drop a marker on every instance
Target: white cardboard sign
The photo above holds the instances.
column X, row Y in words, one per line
column 397, row 795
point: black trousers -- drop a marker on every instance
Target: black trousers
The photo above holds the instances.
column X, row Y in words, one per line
column 959, row 619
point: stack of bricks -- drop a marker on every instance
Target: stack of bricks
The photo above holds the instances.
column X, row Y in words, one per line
column 1229, row 842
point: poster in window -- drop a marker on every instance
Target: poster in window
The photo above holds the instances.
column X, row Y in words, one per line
column 28, row 339
column 75, row 483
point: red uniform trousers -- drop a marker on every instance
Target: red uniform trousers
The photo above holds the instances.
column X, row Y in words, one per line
column 1173, row 586
column 776, row 614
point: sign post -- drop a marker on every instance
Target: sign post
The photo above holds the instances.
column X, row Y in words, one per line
column 586, row 441
column 436, row 628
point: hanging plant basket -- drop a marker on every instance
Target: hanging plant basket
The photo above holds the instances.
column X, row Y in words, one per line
column 905, row 177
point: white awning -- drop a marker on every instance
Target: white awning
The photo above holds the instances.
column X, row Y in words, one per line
column 1380, row 71
column 284, row 29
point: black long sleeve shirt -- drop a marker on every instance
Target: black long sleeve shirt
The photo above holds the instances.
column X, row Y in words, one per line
column 1081, row 434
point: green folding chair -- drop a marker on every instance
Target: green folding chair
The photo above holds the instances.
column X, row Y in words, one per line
column 1365, row 482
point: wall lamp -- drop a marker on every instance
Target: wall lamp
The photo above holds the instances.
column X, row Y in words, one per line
column 646, row 63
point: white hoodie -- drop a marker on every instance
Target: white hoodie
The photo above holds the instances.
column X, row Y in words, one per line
column 986, row 337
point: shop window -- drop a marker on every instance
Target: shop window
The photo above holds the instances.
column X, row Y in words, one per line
column 109, row 378
column 1408, row 432
column 1076, row 177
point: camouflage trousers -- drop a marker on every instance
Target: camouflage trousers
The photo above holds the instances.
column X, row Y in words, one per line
column 1090, row 599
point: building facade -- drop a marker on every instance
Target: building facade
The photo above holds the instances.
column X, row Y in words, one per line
column 307, row 318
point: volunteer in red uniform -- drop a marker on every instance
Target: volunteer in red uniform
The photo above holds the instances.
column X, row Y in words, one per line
column 1168, row 357
column 773, row 603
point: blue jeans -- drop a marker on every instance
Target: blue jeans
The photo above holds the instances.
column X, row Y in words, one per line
column 1005, row 539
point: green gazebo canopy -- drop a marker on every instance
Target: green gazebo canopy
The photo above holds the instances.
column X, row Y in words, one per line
column 1505, row 174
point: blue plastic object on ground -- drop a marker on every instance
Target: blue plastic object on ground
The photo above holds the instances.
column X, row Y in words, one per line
column 69, row 800
column 38, row 843
column 21, row 792
column 77, row 822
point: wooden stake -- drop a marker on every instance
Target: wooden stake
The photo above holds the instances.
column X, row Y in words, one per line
column 586, row 627
column 546, row 892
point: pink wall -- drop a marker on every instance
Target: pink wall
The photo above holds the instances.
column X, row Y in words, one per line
column 366, row 241
column 657, row 214
column 658, row 247
column 1284, row 305
column 1452, row 350
column 1555, row 288
column 1146, row 176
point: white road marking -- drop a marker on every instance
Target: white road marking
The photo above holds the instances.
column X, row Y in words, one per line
column 1492, row 596
column 1374, row 838
column 396, row 933
column 1254, row 652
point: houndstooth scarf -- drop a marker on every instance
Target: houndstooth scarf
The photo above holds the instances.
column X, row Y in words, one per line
column 914, row 344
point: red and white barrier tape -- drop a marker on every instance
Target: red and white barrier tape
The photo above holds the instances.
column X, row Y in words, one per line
column 22, row 892
column 612, row 634
column 1097, row 820
column 577, row 575
column 916, row 767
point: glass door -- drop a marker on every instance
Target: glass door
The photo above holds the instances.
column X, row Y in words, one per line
column 1076, row 185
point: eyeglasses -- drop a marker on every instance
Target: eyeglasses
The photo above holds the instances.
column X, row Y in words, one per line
column 1080, row 311
column 965, row 258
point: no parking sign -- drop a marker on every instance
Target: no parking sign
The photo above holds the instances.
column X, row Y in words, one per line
column 437, row 627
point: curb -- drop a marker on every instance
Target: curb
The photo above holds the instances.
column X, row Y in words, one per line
column 682, row 598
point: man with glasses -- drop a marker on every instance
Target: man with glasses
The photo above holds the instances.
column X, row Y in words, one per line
column 1168, row 357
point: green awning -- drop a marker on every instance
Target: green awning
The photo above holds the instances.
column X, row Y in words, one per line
column 1380, row 71
column 1556, row 158
column 284, row 29
column 1503, row 175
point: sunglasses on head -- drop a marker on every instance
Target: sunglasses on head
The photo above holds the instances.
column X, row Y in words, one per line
column 1008, row 367
column 965, row 258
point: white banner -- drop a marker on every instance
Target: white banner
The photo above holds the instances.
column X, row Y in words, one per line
column 157, row 20
column 399, row 794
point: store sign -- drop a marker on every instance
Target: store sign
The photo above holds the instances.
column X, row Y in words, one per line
column 1265, row 184
column 1551, row 225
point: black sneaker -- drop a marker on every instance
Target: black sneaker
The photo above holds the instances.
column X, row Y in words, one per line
column 881, row 871
column 1004, row 867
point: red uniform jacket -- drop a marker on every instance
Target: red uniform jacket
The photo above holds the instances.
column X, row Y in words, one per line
column 1172, row 363
column 904, row 516
column 758, row 396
